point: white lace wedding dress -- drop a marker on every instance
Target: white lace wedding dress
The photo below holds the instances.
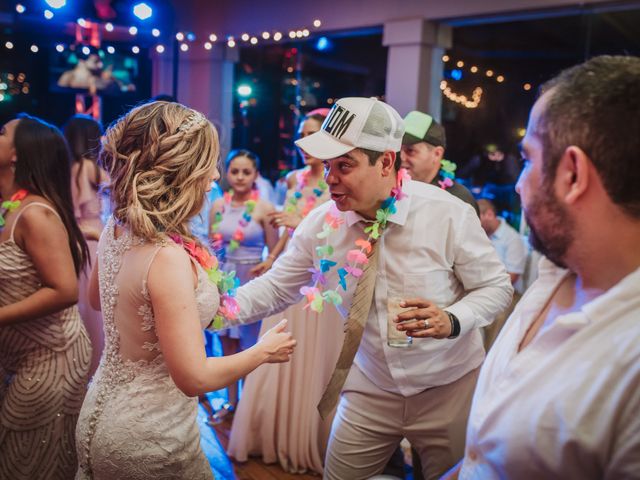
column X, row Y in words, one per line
column 135, row 423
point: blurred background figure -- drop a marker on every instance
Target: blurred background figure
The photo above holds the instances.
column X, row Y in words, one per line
column 87, row 182
column 239, row 231
column 512, row 251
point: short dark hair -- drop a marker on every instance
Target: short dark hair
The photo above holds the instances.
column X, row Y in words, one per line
column 373, row 157
column 485, row 204
column 241, row 152
column 596, row 106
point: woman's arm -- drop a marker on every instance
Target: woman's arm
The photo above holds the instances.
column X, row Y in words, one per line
column 178, row 328
column 41, row 234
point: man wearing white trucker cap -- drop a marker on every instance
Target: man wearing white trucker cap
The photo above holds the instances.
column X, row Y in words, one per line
column 385, row 237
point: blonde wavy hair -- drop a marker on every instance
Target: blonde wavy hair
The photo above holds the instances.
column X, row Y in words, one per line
column 159, row 156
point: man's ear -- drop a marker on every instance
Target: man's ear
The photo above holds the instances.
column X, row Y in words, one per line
column 573, row 175
column 388, row 163
column 439, row 152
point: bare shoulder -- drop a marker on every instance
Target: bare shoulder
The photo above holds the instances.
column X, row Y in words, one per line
column 292, row 178
column 264, row 207
column 38, row 216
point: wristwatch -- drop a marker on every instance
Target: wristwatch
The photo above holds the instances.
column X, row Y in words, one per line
column 455, row 325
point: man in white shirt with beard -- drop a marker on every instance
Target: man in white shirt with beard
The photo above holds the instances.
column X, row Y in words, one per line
column 558, row 395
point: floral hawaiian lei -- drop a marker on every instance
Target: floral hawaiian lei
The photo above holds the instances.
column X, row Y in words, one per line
column 302, row 180
column 238, row 234
column 447, row 172
column 317, row 295
column 12, row 204
column 227, row 282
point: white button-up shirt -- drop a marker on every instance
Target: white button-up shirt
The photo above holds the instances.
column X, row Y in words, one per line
column 510, row 247
column 433, row 247
column 568, row 405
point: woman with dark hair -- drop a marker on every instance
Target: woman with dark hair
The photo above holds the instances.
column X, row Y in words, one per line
column 44, row 348
column 277, row 416
column 83, row 137
column 239, row 230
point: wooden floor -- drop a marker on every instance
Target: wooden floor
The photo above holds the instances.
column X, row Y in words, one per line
column 255, row 469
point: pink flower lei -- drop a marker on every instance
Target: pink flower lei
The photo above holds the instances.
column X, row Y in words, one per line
column 227, row 282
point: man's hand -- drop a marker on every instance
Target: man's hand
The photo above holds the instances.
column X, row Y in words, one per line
column 424, row 320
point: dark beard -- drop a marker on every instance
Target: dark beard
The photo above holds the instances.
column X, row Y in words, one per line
column 551, row 227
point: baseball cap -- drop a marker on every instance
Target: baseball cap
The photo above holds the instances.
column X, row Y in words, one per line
column 355, row 122
column 420, row 127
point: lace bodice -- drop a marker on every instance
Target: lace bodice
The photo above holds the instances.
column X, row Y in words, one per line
column 132, row 353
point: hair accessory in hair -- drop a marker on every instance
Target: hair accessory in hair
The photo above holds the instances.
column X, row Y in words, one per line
column 193, row 120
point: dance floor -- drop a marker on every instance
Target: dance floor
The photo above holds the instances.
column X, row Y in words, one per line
column 214, row 443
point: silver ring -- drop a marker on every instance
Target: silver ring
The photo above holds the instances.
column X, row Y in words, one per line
column 426, row 324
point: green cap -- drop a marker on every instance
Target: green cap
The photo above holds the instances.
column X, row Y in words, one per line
column 420, row 127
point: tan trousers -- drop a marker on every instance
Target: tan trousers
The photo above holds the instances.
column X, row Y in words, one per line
column 370, row 423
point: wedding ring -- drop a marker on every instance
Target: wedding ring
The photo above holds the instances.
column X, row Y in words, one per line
column 426, row 324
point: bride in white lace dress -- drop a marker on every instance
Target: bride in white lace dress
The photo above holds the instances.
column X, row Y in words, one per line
column 138, row 420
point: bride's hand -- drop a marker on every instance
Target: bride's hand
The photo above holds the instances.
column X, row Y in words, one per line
column 277, row 344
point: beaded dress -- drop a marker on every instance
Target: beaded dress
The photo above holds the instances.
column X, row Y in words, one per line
column 135, row 423
column 44, row 367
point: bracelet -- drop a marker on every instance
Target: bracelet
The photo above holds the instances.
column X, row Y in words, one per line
column 455, row 325
column 272, row 256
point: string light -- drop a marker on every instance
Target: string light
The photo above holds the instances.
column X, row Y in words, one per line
column 445, row 58
column 474, row 69
column 135, row 49
column 208, row 45
column 60, row 48
column 133, row 30
column 299, row 33
column 34, row 48
column 460, row 64
column 155, row 32
column 108, row 27
column 9, row 45
column 526, row 87
column 476, row 96
column 489, row 73
column 305, row 33
column 82, row 22
column 231, row 42
column 253, row 40
column 277, row 36
column 317, row 23
column 48, row 14
column 111, row 50
column 213, row 37
column 180, row 36
column 245, row 37
column 499, row 79
column 20, row 8
column 184, row 47
column 292, row 34
column 266, row 35
column 160, row 48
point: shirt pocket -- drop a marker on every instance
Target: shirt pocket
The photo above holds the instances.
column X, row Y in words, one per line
column 435, row 285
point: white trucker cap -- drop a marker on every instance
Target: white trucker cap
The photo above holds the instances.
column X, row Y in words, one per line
column 355, row 122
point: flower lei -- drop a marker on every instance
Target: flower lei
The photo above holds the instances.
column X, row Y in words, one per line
column 447, row 172
column 12, row 204
column 238, row 234
column 317, row 295
column 227, row 282
column 302, row 180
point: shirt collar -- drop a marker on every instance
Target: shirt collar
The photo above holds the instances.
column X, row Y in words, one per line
column 402, row 209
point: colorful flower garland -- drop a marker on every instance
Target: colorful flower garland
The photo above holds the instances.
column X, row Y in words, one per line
column 447, row 172
column 12, row 204
column 238, row 234
column 302, row 180
column 227, row 282
column 317, row 295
